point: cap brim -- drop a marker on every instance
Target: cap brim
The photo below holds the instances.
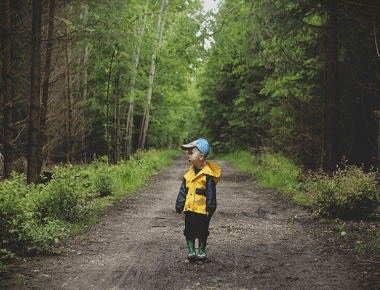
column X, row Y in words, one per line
column 187, row 146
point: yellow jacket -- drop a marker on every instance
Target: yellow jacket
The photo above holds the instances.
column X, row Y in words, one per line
column 197, row 193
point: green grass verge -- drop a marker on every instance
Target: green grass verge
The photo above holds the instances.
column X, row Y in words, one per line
column 344, row 197
column 37, row 217
column 272, row 171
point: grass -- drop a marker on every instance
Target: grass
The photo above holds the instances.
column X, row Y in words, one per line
column 37, row 217
column 272, row 171
column 335, row 199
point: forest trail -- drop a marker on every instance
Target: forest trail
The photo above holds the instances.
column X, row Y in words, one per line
column 257, row 241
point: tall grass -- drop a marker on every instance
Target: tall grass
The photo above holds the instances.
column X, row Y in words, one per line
column 243, row 160
column 270, row 170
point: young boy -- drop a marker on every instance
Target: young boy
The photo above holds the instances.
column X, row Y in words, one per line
column 197, row 196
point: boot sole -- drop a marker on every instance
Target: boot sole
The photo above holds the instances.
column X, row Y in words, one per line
column 202, row 259
column 191, row 258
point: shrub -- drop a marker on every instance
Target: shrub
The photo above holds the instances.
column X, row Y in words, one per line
column 103, row 182
column 62, row 198
column 42, row 215
column 14, row 211
column 47, row 233
column 348, row 193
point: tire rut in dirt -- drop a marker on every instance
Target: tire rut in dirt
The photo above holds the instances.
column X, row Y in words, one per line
column 145, row 264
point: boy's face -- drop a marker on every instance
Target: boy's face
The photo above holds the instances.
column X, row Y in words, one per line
column 196, row 158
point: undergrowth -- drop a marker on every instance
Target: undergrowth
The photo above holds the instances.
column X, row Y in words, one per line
column 36, row 217
column 271, row 170
column 350, row 193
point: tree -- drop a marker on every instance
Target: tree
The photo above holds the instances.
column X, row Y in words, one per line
column 333, row 86
column 7, row 90
column 45, row 87
column 131, row 91
column 34, row 113
column 157, row 44
column 117, row 117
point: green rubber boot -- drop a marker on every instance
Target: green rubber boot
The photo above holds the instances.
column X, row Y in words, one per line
column 202, row 250
column 191, row 256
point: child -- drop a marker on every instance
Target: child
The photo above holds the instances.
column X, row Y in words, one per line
column 197, row 196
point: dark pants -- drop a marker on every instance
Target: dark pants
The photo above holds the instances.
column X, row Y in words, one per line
column 196, row 226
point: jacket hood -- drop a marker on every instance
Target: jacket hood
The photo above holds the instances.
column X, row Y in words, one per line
column 211, row 169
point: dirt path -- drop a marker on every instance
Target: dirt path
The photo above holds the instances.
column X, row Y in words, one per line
column 256, row 242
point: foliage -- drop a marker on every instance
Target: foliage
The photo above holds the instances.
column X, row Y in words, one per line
column 40, row 216
column 15, row 209
column 266, row 79
column 279, row 172
column 349, row 193
column 103, row 181
column 243, row 160
column 63, row 197
column 271, row 170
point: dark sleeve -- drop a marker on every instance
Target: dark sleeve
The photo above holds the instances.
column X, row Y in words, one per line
column 210, row 195
column 180, row 203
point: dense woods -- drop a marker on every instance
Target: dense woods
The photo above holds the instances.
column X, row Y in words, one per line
column 90, row 89
column 299, row 77
column 83, row 78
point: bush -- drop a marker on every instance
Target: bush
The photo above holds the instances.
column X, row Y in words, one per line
column 14, row 211
column 62, row 198
column 47, row 233
column 348, row 193
column 103, row 179
column 38, row 216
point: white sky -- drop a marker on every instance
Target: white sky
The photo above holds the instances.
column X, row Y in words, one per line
column 210, row 4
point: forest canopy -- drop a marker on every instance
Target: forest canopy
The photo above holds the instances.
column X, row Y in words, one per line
column 92, row 78
column 84, row 78
column 299, row 77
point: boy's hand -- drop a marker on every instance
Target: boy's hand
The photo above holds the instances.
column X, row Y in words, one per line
column 208, row 214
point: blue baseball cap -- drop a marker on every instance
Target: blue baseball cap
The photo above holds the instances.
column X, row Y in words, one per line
column 201, row 144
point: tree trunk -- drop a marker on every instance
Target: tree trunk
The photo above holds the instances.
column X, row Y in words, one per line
column 34, row 115
column 108, row 106
column 378, row 138
column 136, row 57
column 333, row 87
column 117, row 119
column 45, row 88
column 7, row 90
column 84, row 91
column 129, row 125
column 159, row 32
column 69, row 99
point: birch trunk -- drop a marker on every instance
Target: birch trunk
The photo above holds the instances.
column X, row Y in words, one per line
column 159, row 33
column 136, row 57
column 108, row 106
column 117, row 119
column 129, row 125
